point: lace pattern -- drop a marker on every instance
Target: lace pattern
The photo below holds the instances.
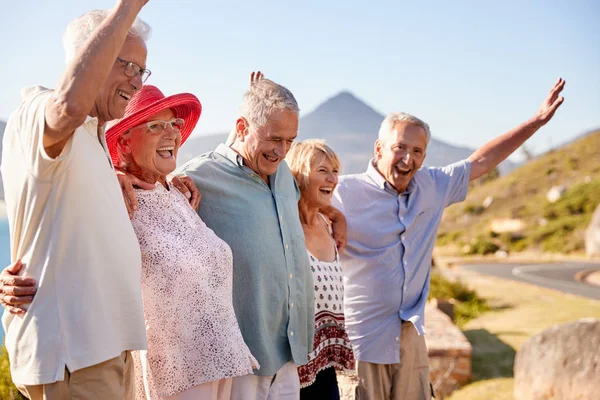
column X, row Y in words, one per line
column 193, row 334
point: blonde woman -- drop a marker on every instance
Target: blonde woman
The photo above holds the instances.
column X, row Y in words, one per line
column 316, row 168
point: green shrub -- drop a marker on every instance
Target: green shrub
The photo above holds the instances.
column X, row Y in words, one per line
column 557, row 236
column 578, row 200
column 473, row 209
column 482, row 246
column 8, row 391
column 446, row 238
column 468, row 304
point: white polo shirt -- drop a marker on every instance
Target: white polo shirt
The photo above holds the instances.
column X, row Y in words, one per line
column 69, row 225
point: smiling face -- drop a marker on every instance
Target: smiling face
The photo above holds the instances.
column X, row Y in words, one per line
column 118, row 88
column 150, row 156
column 264, row 148
column 322, row 180
column 400, row 155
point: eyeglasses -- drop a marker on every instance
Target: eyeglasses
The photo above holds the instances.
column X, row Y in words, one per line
column 132, row 70
column 156, row 127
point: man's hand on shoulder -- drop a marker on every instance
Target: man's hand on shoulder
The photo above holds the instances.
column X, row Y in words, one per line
column 127, row 182
column 338, row 225
column 186, row 186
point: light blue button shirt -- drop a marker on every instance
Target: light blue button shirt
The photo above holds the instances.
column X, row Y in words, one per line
column 273, row 294
column 387, row 260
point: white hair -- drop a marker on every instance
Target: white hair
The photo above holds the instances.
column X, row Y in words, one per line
column 80, row 29
column 388, row 124
column 261, row 100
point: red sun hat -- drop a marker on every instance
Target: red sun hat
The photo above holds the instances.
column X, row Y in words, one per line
column 148, row 102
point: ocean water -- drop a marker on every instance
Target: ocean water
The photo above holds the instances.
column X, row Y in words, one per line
column 4, row 254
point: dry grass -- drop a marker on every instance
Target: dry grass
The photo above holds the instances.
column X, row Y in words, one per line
column 518, row 311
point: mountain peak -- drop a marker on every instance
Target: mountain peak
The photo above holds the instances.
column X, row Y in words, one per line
column 345, row 102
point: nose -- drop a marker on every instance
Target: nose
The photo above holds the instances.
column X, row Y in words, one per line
column 281, row 149
column 332, row 177
column 136, row 82
column 171, row 133
column 406, row 157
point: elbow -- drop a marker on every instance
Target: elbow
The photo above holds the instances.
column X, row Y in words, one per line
column 64, row 114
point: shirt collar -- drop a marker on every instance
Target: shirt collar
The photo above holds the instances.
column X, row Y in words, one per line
column 230, row 154
column 380, row 181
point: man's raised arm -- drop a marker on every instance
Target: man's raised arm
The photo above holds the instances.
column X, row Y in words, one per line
column 487, row 157
column 74, row 96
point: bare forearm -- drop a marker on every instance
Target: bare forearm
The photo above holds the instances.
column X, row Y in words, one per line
column 78, row 87
column 491, row 154
column 487, row 157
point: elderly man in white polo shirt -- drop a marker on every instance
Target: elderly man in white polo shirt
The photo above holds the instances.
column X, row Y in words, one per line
column 68, row 222
column 393, row 211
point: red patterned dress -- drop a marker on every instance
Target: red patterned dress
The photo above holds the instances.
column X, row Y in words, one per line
column 332, row 346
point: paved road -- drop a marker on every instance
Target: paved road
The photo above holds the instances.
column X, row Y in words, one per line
column 558, row 276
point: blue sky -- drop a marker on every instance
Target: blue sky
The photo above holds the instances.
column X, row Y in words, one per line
column 472, row 69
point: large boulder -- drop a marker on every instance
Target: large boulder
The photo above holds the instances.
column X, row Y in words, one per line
column 562, row 362
column 592, row 235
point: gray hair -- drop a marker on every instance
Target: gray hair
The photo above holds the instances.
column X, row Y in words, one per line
column 392, row 119
column 80, row 29
column 261, row 100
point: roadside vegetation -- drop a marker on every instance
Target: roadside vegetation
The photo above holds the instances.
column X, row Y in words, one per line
column 467, row 304
column 8, row 391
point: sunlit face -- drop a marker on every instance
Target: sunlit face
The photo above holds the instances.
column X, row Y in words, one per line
column 322, row 180
column 118, row 88
column 401, row 154
column 264, row 148
column 149, row 154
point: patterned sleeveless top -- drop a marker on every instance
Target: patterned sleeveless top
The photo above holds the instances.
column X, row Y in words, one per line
column 331, row 346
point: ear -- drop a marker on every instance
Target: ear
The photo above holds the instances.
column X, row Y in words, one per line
column 241, row 129
column 124, row 142
column 377, row 149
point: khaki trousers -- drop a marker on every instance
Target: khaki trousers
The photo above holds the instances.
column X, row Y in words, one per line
column 284, row 385
column 407, row 380
column 112, row 379
column 214, row 390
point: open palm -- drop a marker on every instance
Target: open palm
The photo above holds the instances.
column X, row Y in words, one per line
column 552, row 102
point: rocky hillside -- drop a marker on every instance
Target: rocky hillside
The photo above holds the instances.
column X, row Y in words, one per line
column 544, row 205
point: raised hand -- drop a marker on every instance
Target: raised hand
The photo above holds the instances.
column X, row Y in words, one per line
column 552, row 102
column 255, row 77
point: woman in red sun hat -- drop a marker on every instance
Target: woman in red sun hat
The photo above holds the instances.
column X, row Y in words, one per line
column 195, row 345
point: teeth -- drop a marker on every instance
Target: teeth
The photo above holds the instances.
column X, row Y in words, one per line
column 123, row 94
column 167, row 148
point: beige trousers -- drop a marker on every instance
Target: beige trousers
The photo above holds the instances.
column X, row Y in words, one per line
column 214, row 390
column 407, row 380
column 112, row 379
column 284, row 385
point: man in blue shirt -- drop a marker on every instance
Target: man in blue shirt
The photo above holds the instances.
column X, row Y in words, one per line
column 393, row 212
column 250, row 200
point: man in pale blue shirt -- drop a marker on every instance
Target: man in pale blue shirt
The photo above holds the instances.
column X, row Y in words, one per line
column 393, row 212
column 250, row 200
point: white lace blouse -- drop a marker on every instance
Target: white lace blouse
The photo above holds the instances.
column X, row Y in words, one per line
column 193, row 334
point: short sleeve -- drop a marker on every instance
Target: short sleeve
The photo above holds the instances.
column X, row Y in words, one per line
column 336, row 199
column 453, row 181
column 29, row 121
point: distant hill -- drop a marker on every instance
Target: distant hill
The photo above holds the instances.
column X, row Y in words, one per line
column 350, row 127
column 521, row 195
